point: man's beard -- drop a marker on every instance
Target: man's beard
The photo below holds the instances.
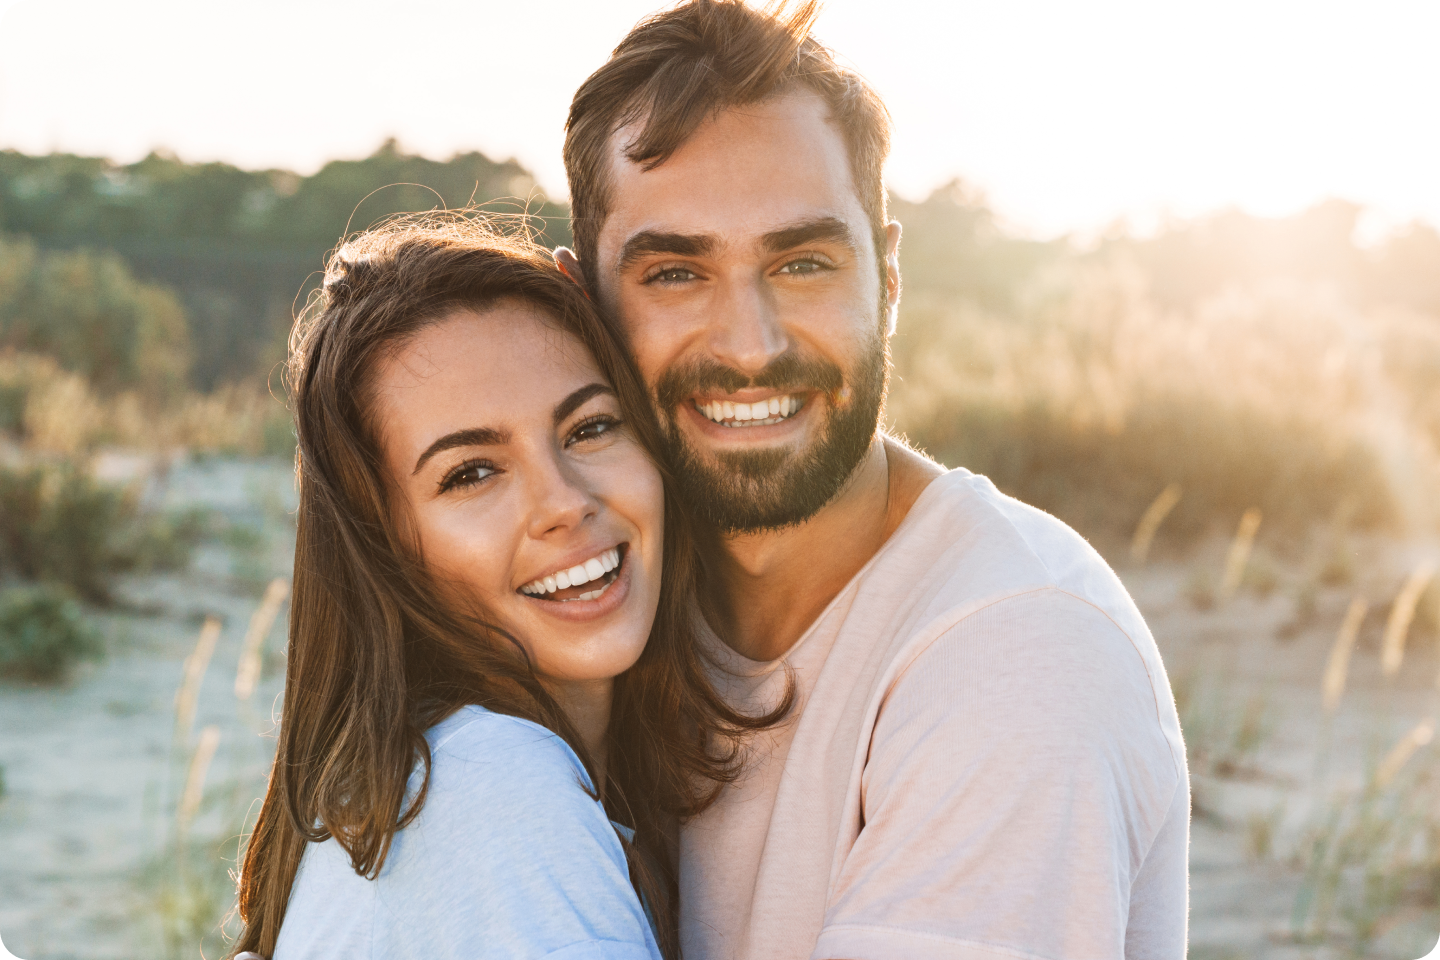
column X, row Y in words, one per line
column 755, row 490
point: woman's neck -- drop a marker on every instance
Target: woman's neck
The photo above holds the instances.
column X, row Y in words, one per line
column 587, row 706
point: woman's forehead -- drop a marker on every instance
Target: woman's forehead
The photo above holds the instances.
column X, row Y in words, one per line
column 513, row 342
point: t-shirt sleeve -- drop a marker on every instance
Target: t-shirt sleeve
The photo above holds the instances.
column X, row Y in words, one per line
column 511, row 857
column 1014, row 796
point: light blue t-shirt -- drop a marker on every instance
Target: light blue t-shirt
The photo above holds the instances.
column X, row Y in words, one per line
column 509, row 859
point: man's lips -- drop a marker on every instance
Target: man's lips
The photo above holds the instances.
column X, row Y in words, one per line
column 750, row 408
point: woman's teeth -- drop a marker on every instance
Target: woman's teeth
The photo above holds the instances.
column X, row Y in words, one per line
column 762, row 413
column 593, row 569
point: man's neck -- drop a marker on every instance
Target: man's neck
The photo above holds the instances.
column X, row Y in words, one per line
column 766, row 589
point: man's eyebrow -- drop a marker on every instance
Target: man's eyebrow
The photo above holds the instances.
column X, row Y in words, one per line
column 473, row 437
column 819, row 230
column 650, row 242
column 577, row 399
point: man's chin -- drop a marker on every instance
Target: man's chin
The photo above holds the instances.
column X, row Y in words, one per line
column 762, row 488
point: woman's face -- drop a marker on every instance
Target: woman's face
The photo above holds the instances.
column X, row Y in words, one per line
column 528, row 494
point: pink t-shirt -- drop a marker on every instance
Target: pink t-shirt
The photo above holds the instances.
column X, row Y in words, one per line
column 985, row 762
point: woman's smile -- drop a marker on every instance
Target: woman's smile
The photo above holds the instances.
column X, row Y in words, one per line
column 564, row 584
column 593, row 597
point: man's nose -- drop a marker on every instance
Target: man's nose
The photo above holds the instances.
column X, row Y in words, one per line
column 746, row 332
column 560, row 500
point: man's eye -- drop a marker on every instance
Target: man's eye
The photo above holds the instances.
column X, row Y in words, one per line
column 802, row 267
column 593, row 429
column 468, row 474
column 672, row 275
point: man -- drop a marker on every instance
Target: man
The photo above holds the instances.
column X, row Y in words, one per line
column 984, row 760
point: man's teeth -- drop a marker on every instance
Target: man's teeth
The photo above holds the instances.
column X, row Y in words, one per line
column 592, row 569
column 759, row 414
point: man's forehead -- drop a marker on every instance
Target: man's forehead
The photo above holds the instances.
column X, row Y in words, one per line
column 748, row 171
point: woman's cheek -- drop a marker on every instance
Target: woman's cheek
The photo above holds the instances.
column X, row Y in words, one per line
column 639, row 493
column 459, row 549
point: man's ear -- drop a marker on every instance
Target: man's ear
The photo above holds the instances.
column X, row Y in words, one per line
column 569, row 265
column 892, row 276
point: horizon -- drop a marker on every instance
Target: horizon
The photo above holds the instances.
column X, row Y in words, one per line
column 1066, row 121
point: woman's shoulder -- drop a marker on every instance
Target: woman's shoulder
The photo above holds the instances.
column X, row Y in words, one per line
column 491, row 756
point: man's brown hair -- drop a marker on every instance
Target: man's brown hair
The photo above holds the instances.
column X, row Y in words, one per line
column 679, row 68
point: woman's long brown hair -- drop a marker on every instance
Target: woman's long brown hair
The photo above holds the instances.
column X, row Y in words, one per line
column 375, row 658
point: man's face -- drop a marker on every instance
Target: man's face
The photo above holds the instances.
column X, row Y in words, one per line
column 744, row 271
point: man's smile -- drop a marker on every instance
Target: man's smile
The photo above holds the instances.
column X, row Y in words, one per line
column 761, row 412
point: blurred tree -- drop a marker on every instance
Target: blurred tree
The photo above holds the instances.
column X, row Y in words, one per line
column 952, row 245
column 1406, row 269
column 88, row 311
column 238, row 245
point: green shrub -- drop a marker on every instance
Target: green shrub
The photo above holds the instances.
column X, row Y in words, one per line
column 43, row 633
column 161, row 541
column 57, row 524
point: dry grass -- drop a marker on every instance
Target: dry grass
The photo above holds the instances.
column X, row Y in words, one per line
column 193, row 878
column 1090, row 399
column 50, row 411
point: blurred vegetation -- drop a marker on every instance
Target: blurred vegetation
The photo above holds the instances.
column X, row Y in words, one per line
column 237, row 245
column 1270, row 363
column 89, row 312
column 42, row 633
column 1255, row 363
column 59, row 525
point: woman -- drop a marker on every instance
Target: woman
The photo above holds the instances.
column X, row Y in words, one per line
column 494, row 705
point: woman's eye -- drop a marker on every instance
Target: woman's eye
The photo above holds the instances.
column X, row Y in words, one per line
column 467, row 475
column 593, row 429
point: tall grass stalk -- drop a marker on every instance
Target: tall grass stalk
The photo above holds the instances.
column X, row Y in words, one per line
column 252, row 648
column 194, row 792
column 1149, row 524
column 1332, row 684
column 188, row 696
column 1402, row 613
column 1367, row 847
column 1239, row 555
column 1332, row 687
column 1403, row 750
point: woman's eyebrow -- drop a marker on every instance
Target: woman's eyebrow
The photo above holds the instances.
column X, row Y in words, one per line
column 576, row 399
column 474, row 437
column 490, row 437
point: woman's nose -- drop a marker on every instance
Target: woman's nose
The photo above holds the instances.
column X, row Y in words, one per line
column 560, row 499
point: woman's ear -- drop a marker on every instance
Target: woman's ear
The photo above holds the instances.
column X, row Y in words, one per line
column 569, row 265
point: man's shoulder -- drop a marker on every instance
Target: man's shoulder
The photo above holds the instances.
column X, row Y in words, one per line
column 965, row 543
column 993, row 586
column 966, row 548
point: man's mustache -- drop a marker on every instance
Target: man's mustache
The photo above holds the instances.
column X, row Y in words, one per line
column 787, row 373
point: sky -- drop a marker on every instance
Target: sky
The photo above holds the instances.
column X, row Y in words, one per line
column 1069, row 117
